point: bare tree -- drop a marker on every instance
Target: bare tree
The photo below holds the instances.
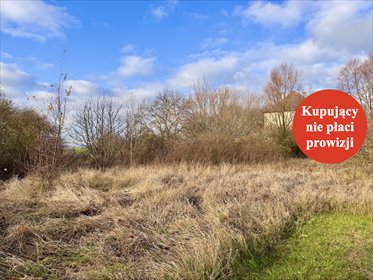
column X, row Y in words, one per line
column 219, row 111
column 132, row 132
column 166, row 115
column 99, row 125
column 284, row 79
column 58, row 109
column 46, row 157
column 208, row 101
column 356, row 78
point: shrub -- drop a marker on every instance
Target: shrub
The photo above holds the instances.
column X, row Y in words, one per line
column 20, row 136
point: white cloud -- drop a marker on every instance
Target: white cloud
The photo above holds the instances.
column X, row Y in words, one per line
column 21, row 87
column 159, row 12
column 213, row 42
column 304, row 53
column 36, row 19
column 340, row 24
column 346, row 25
column 33, row 61
column 5, row 55
column 250, row 68
column 210, row 68
column 334, row 33
column 83, row 89
column 129, row 48
column 286, row 14
column 133, row 65
column 39, row 98
column 147, row 90
column 318, row 63
column 15, row 81
column 163, row 11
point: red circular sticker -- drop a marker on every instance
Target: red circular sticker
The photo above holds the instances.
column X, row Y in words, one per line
column 329, row 126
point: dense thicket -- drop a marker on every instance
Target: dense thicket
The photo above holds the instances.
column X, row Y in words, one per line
column 21, row 137
column 208, row 125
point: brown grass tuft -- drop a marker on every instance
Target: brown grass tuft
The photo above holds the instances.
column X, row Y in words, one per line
column 21, row 239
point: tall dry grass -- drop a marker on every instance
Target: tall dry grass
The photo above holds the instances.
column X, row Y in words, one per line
column 166, row 222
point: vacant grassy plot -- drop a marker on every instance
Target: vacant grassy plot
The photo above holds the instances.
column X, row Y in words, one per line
column 331, row 246
column 180, row 222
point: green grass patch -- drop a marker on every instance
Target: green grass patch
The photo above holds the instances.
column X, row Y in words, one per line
column 330, row 246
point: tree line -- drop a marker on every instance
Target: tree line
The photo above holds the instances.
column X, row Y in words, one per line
column 208, row 125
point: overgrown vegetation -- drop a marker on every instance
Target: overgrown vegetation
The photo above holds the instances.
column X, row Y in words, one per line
column 182, row 186
column 21, row 137
column 169, row 222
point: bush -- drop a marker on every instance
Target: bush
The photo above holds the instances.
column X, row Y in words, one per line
column 20, row 135
column 219, row 148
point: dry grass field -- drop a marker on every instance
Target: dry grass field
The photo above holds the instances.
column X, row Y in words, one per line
column 166, row 222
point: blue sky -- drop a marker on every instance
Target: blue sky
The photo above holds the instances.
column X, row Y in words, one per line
column 142, row 47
